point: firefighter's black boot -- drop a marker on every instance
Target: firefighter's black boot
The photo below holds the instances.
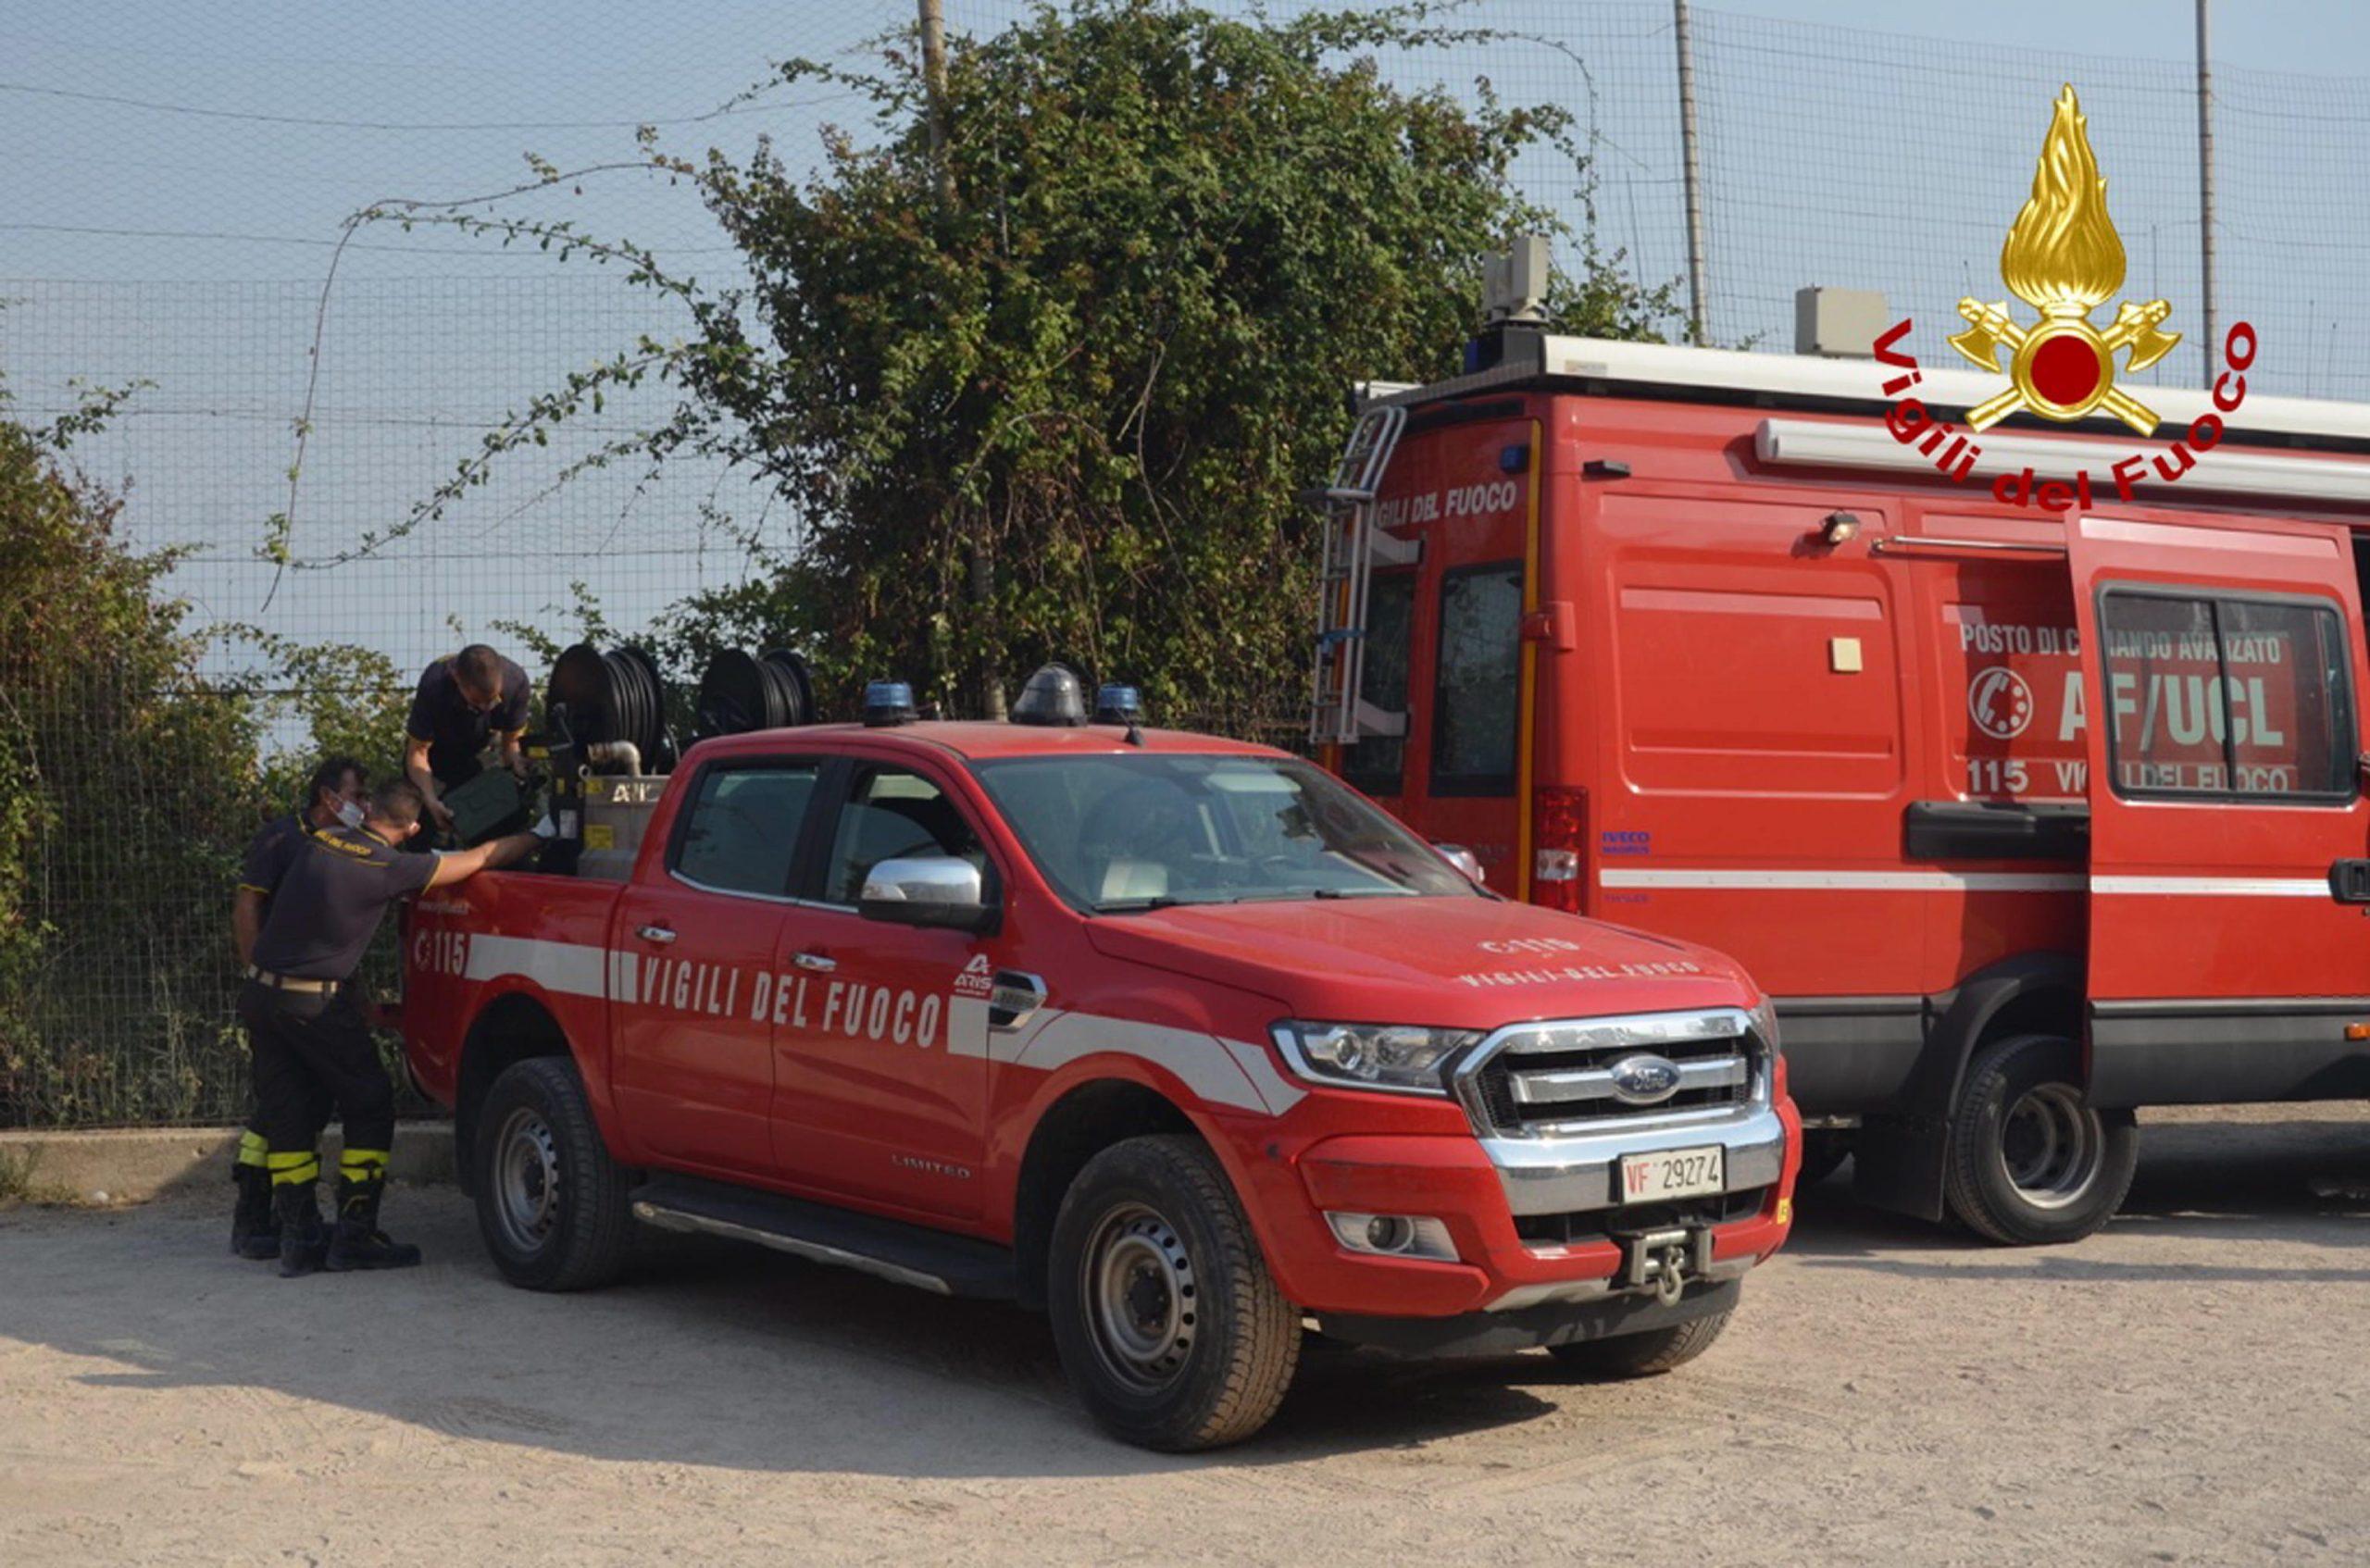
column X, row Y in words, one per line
column 254, row 1232
column 356, row 1240
column 300, row 1227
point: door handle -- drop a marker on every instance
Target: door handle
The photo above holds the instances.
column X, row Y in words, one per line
column 816, row 962
column 2350, row 881
column 654, row 934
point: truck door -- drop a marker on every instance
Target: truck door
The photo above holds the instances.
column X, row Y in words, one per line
column 1448, row 638
column 693, row 1057
column 2222, row 672
column 880, row 1067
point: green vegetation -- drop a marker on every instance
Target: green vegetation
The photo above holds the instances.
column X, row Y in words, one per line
column 1047, row 387
column 126, row 790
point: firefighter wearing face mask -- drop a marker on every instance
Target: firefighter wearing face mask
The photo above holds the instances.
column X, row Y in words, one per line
column 334, row 798
column 310, row 1041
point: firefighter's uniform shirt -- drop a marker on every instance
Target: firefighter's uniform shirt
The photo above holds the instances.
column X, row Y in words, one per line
column 329, row 900
column 268, row 853
column 314, row 1045
column 456, row 732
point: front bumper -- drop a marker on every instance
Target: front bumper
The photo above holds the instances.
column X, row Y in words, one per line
column 1537, row 1223
column 1505, row 1333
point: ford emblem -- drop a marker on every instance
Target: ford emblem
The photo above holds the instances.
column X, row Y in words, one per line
column 1644, row 1079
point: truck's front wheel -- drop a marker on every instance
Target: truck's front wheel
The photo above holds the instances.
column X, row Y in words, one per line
column 551, row 1201
column 1170, row 1327
column 2032, row 1161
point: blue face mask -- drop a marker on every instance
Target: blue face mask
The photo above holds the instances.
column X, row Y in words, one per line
column 349, row 814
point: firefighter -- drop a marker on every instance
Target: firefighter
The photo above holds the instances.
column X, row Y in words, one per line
column 334, row 798
column 464, row 701
column 309, row 1039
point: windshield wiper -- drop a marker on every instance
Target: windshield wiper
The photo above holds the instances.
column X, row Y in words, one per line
column 1366, row 893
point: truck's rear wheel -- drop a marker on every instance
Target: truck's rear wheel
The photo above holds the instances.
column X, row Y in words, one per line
column 2031, row 1161
column 1170, row 1327
column 1642, row 1355
column 551, row 1201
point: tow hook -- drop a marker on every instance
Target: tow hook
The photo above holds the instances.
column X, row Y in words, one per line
column 1664, row 1260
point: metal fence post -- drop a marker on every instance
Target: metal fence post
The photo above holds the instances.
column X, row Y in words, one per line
column 2211, row 342
column 1694, row 173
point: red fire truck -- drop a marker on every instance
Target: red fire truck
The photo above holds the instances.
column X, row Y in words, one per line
column 2030, row 792
column 1171, row 1037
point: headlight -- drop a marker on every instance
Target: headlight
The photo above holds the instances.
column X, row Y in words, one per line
column 1764, row 1021
column 1404, row 1058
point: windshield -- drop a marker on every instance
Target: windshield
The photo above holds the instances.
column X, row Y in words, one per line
column 1119, row 833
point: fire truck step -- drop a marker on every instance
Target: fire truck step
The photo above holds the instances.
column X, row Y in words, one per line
column 909, row 1254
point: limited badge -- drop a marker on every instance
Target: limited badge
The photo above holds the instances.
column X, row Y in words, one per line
column 2063, row 257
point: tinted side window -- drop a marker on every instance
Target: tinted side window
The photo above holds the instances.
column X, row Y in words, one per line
column 2219, row 696
column 890, row 815
column 1478, row 690
column 743, row 826
column 1378, row 763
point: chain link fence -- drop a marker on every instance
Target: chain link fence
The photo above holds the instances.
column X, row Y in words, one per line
column 1829, row 156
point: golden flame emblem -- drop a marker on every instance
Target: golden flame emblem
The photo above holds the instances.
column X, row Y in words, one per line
column 2064, row 258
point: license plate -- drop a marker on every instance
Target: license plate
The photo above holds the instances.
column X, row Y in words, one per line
column 1673, row 1173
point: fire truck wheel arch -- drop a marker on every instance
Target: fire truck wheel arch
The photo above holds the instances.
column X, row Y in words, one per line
column 1897, row 1161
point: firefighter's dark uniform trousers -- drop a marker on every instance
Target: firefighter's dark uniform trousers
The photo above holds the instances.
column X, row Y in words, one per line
column 312, row 1047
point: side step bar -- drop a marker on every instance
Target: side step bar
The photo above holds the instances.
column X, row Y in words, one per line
column 909, row 1254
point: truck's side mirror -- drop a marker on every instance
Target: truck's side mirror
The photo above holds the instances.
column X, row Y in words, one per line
column 936, row 890
column 1464, row 860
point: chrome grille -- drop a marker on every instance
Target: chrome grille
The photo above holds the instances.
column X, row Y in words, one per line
column 1533, row 1079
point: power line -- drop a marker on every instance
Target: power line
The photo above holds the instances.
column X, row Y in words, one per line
column 490, row 251
column 419, row 125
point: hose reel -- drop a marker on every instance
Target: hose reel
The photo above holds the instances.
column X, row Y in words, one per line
column 612, row 701
column 738, row 693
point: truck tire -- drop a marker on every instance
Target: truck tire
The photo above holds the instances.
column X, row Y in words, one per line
column 1649, row 1354
column 2031, row 1162
column 1169, row 1327
column 551, row 1201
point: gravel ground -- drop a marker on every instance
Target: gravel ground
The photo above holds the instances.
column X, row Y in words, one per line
column 2189, row 1387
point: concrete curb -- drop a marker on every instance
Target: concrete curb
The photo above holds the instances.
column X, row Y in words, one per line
column 134, row 1164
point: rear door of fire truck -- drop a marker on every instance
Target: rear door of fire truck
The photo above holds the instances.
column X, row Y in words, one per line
column 1444, row 635
column 2223, row 672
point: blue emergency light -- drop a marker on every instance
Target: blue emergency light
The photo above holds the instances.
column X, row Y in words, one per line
column 1115, row 703
column 886, row 703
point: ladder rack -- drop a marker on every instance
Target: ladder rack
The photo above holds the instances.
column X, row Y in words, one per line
column 1339, row 714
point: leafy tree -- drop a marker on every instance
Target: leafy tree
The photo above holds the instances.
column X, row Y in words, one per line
column 1048, row 392
column 127, row 790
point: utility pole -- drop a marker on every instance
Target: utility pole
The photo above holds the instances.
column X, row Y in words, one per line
column 1687, row 143
column 2211, row 344
column 935, row 81
column 979, row 566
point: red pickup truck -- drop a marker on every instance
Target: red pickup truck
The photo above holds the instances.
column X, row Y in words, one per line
column 1178, row 1039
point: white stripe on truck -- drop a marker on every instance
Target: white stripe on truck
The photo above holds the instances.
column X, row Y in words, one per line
column 1222, row 1072
column 1799, row 881
column 572, row 967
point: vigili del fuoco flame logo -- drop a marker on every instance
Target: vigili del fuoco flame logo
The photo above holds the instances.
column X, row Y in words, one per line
column 2064, row 258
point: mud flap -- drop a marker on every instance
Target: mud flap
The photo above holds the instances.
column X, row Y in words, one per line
column 1897, row 1165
